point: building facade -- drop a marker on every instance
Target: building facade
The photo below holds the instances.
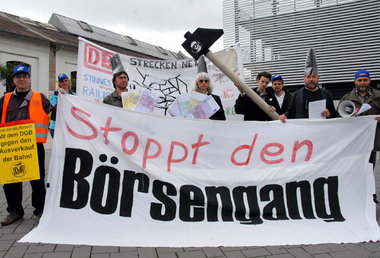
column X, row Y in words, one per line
column 49, row 49
column 275, row 34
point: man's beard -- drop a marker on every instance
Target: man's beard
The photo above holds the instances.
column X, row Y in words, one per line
column 361, row 90
column 311, row 86
column 122, row 87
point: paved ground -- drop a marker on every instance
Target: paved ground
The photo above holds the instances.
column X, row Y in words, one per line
column 9, row 247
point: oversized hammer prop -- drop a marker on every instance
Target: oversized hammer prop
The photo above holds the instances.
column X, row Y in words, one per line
column 198, row 44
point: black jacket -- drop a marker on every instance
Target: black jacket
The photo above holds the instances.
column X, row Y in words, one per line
column 219, row 115
column 297, row 107
column 285, row 103
column 245, row 106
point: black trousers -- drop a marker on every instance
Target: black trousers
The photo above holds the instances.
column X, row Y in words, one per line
column 13, row 192
column 372, row 158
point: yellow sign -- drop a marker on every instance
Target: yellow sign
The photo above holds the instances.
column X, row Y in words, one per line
column 18, row 154
column 130, row 99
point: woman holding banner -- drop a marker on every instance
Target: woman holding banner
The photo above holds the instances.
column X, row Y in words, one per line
column 64, row 83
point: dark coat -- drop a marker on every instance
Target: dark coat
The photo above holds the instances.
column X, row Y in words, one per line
column 251, row 111
column 285, row 103
column 219, row 115
column 374, row 102
column 297, row 107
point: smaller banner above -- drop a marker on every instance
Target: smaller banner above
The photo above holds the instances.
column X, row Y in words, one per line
column 18, row 153
column 167, row 79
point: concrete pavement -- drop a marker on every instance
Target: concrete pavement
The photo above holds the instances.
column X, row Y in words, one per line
column 9, row 247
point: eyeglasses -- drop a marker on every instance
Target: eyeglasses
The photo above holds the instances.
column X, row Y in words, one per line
column 203, row 81
column 19, row 76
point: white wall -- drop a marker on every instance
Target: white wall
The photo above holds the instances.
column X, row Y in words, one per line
column 36, row 53
column 33, row 52
column 66, row 61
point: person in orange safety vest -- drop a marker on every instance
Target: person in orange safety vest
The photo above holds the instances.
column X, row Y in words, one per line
column 26, row 104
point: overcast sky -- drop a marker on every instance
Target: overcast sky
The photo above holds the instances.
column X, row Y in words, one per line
column 158, row 22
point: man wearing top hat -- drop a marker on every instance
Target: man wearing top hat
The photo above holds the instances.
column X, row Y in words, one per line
column 23, row 104
column 120, row 82
column 299, row 105
column 364, row 93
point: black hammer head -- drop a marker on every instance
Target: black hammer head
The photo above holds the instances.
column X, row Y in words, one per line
column 200, row 41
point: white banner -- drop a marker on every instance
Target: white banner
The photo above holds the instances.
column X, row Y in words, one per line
column 123, row 178
column 166, row 78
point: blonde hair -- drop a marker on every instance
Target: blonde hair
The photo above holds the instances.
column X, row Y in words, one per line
column 199, row 77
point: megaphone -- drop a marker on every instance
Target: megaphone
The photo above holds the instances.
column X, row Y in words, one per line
column 347, row 108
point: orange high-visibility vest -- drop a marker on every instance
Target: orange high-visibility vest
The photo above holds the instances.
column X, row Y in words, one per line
column 36, row 113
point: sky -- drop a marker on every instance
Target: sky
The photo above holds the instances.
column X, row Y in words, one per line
column 158, row 22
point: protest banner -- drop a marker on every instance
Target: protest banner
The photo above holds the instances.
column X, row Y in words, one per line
column 18, row 153
column 125, row 178
column 166, row 78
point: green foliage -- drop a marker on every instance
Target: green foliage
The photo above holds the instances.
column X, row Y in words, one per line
column 6, row 74
column 74, row 84
column 6, row 77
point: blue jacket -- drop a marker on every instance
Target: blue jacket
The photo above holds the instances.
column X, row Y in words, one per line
column 53, row 101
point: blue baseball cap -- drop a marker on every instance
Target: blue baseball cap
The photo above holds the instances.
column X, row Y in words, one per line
column 277, row 77
column 62, row 76
column 21, row 69
column 362, row 73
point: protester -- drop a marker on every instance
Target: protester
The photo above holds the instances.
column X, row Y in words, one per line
column 282, row 97
column 364, row 93
column 22, row 104
column 120, row 83
column 64, row 83
column 299, row 105
column 203, row 85
column 251, row 111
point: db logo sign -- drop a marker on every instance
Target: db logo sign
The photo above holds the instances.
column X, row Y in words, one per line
column 97, row 59
column 19, row 169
